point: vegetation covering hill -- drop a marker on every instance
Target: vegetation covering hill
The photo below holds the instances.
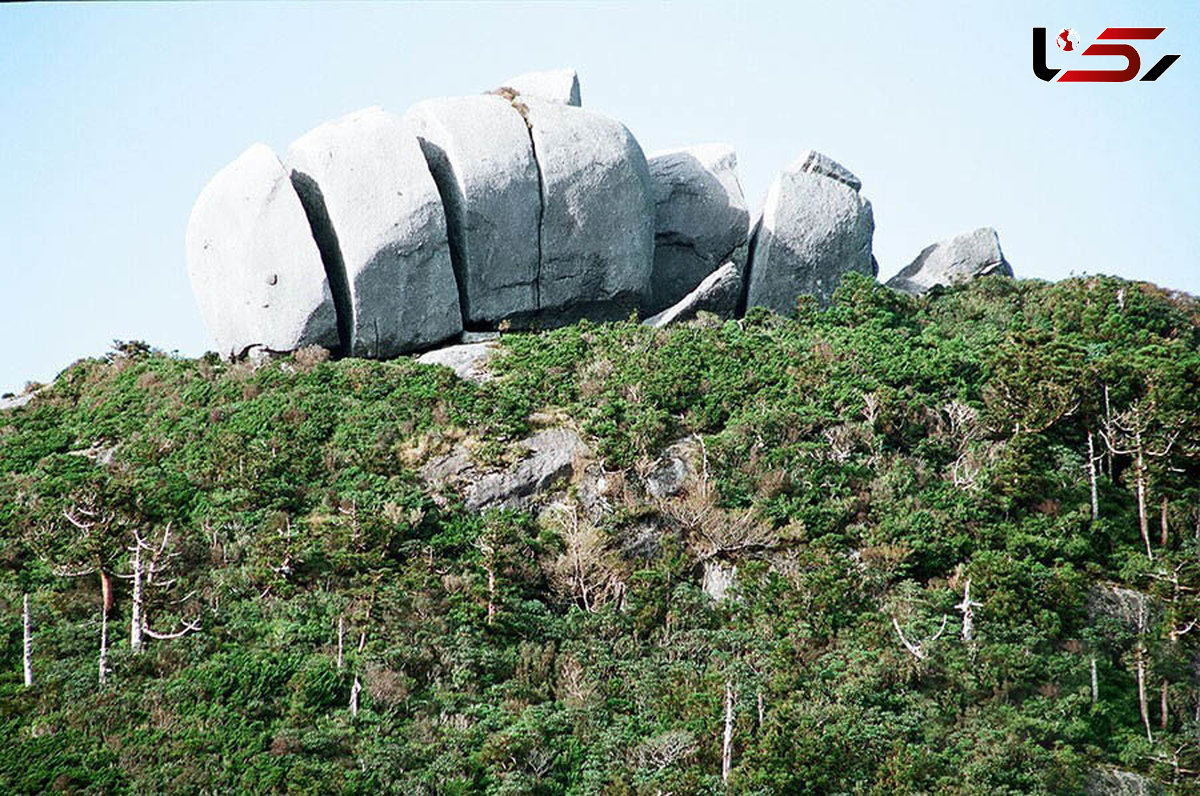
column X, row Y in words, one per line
column 859, row 466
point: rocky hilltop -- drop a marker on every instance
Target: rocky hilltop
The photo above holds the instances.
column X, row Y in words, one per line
column 379, row 234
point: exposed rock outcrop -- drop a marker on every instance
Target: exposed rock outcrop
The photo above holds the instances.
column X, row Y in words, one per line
column 467, row 360
column 552, row 85
column 950, row 262
column 597, row 229
column 253, row 264
column 479, row 152
column 377, row 215
column 701, row 220
column 718, row 294
column 815, row 227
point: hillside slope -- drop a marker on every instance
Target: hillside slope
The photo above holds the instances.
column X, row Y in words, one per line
column 836, row 480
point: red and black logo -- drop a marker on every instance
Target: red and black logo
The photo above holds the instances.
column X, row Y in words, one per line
column 1068, row 41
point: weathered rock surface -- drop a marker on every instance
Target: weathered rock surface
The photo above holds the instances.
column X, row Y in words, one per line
column 1115, row 782
column 253, row 263
column 950, row 262
column 700, row 218
column 16, row 401
column 674, row 470
column 597, row 231
column 815, row 227
column 553, row 85
column 479, row 152
column 378, row 219
column 468, row 360
column 553, row 454
column 718, row 579
column 718, row 294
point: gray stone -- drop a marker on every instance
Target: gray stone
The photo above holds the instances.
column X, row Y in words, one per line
column 552, row 456
column 674, row 471
column 1116, row 782
column 700, row 218
column 955, row 261
column 815, row 227
column 553, row 85
column 378, row 218
column 597, row 231
column 718, row 579
column 479, row 152
column 254, row 266
column 467, row 360
column 718, row 294
column 16, row 401
column 1110, row 605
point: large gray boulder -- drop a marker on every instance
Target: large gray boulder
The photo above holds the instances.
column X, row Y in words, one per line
column 378, row 218
column 700, row 218
column 718, row 293
column 467, row 360
column 253, row 263
column 479, row 152
column 815, row 227
column 552, row 85
column 597, row 230
column 950, row 262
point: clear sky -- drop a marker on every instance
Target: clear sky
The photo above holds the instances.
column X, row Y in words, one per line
column 114, row 116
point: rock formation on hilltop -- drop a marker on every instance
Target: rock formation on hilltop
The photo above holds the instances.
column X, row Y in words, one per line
column 382, row 234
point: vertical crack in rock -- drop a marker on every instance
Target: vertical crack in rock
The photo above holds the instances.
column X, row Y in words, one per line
column 325, row 236
column 523, row 109
column 456, row 221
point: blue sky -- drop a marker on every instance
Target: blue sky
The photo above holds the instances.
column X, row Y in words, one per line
column 116, row 115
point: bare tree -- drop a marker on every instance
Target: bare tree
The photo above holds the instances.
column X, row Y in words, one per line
column 665, row 750
column 1140, row 656
column 354, row 691
column 919, row 649
column 150, row 575
column 1129, row 435
column 727, row 737
column 967, row 608
column 27, row 642
column 586, row 569
column 1092, row 459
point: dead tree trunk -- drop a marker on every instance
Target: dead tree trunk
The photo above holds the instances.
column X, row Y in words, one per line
column 1140, row 663
column 1140, row 477
column 135, row 616
column 340, row 641
column 1095, row 683
column 103, row 642
column 1163, row 707
column 967, row 607
column 354, row 689
column 1092, row 475
column 727, row 740
column 27, row 642
column 1166, row 527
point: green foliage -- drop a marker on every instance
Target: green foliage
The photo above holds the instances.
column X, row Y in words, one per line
column 859, row 465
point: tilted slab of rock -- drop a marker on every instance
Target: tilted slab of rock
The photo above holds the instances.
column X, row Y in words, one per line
column 479, row 152
column 254, row 266
column 950, row 262
column 718, row 293
column 700, row 218
column 552, row 85
column 597, row 231
column 551, row 459
column 815, row 227
column 376, row 213
column 467, row 360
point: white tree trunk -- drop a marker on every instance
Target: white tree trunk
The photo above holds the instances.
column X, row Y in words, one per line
column 1092, row 475
column 135, row 620
column 354, row 689
column 727, row 742
column 27, row 643
column 967, row 607
column 1141, row 670
column 1095, row 683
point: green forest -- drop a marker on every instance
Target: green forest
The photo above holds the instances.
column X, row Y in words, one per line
column 945, row 544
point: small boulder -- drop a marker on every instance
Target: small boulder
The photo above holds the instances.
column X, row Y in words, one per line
column 468, row 360
column 597, row 230
column 553, row 85
column 16, row 401
column 378, row 219
column 815, row 227
column 950, row 262
column 700, row 218
column 718, row 294
column 718, row 579
column 479, row 152
column 254, row 266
